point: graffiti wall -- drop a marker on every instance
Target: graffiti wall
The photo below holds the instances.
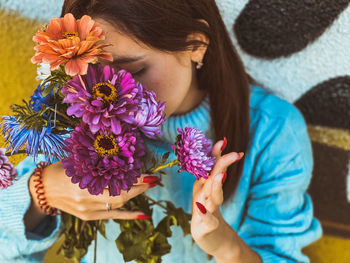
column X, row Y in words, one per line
column 300, row 50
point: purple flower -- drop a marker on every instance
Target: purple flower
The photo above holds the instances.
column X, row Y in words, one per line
column 104, row 159
column 7, row 172
column 193, row 151
column 102, row 98
column 150, row 114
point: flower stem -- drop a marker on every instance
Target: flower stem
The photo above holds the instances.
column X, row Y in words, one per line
column 62, row 114
column 95, row 248
column 155, row 202
column 171, row 164
column 19, row 152
column 82, row 227
column 139, row 225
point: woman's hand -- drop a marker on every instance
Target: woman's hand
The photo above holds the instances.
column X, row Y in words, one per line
column 61, row 193
column 207, row 224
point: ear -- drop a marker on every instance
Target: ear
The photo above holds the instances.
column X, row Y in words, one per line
column 198, row 52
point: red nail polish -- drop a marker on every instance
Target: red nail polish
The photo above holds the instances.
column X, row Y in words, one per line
column 143, row 217
column 152, row 185
column 150, row 179
column 224, row 144
column 241, row 154
column 201, row 208
column 224, row 177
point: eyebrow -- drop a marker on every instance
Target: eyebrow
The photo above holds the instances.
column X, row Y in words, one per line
column 124, row 60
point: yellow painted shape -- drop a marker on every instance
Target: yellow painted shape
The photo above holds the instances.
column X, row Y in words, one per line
column 17, row 73
column 329, row 249
column 51, row 255
column 330, row 136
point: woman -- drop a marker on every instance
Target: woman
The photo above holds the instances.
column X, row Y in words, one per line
column 258, row 212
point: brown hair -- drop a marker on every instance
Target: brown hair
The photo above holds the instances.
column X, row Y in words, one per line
column 164, row 25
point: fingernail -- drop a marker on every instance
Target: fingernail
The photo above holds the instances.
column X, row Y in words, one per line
column 150, row 179
column 201, row 208
column 224, row 177
column 224, row 144
column 241, row 154
column 151, row 185
column 142, row 217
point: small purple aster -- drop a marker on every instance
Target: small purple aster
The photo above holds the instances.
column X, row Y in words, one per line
column 104, row 159
column 8, row 173
column 102, row 97
column 150, row 114
column 193, row 151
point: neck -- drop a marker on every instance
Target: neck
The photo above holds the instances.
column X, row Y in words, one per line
column 191, row 101
column 193, row 98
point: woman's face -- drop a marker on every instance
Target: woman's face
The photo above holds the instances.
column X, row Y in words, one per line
column 171, row 76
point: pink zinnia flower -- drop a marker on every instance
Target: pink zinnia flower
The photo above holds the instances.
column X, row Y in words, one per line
column 8, row 173
column 70, row 42
column 102, row 98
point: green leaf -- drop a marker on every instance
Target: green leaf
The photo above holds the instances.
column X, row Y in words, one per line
column 124, row 240
column 165, row 224
column 48, row 89
column 67, row 220
column 140, row 240
column 164, row 158
column 160, row 245
column 136, row 250
column 183, row 218
column 74, row 246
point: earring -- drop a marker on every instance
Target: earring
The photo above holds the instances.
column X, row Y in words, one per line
column 199, row 65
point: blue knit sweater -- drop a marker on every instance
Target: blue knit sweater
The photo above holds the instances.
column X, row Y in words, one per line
column 270, row 210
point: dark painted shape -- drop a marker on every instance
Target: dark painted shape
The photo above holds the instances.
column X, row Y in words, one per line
column 328, row 187
column 278, row 28
column 328, row 104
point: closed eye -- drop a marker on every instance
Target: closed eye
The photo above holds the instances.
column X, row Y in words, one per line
column 138, row 73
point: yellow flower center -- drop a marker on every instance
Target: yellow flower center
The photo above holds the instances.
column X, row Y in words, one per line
column 106, row 91
column 106, row 144
column 70, row 34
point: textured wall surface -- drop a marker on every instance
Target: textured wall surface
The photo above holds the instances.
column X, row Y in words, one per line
column 298, row 49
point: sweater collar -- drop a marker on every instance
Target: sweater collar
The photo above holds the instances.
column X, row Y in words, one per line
column 198, row 118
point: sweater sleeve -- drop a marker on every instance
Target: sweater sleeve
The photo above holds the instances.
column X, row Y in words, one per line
column 279, row 219
column 16, row 244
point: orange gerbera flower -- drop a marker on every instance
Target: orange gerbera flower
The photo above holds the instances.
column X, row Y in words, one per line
column 73, row 43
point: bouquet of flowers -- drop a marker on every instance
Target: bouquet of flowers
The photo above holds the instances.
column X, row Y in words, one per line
column 95, row 118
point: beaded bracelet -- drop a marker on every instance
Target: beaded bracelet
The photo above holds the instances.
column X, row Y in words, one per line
column 39, row 189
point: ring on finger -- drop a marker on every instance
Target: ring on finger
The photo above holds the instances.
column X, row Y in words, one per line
column 108, row 207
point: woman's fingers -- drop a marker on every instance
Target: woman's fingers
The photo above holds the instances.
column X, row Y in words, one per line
column 211, row 192
column 219, row 168
column 147, row 179
column 216, row 150
column 204, row 218
column 113, row 214
column 124, row 196
column 216, row 190
column 224, row 161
